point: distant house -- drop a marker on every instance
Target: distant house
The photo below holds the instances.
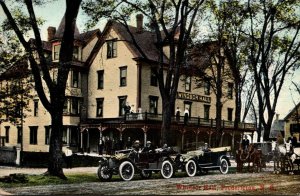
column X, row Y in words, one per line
column 292, row 123
column 277, row 128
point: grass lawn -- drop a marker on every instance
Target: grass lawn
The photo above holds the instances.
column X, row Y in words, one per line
column 36, row 180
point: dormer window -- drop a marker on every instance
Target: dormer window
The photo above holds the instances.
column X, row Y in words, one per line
column 56, row 52
column 76, row 53
column 75, row 79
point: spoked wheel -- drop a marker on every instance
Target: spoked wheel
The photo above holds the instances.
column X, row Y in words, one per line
column 191, row 168
column 146, row 174
column 104, row 173
column 224, row 166
column 126, row 170
column 166, row 169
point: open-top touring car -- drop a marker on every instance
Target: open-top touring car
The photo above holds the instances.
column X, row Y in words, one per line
column 126, row 163
column 203, row 160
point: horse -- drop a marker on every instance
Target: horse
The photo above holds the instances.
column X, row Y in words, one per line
column 283, row 157
column 239, row 160
column 295, row 158
column 250, row 155
column 255, row 156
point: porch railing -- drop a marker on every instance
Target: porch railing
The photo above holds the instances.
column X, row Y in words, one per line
column 195, row 121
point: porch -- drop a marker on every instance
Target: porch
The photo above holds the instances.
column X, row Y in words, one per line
column 122, row 131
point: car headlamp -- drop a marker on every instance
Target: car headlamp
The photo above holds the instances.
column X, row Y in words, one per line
column 181, row 159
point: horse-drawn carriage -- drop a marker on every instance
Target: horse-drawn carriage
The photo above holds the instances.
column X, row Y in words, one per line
column 257, row 155
column 284, row 157
column 251, row 155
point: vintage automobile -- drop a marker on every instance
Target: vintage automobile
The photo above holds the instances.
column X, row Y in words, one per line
column 126, row 163
column 203, row 160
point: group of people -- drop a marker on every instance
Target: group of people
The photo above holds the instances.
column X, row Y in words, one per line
column 291, row 142
column 186, row 115
column 109, row 145
column 137, row 146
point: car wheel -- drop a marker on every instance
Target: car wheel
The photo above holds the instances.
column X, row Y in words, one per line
column 146, row 174
column 224, row 166
column 126, row 170
column 166, row 169
column 191, row 168
column 104, row 173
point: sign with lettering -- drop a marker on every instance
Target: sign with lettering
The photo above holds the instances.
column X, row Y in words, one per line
column 193, row 97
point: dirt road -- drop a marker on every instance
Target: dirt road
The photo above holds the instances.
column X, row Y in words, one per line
column 214, row 183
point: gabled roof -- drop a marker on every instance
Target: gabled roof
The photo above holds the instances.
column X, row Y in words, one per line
column 46, row 45
column 146, row 40
column 292, row 111
column 83, row 37
column 277, row 127
column 61, row 29
column 87, row 36
column 19, row 69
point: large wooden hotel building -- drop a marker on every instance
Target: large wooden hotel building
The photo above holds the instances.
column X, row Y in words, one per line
column 104, row 79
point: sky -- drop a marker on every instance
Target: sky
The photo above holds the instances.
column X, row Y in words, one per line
column 53, row 13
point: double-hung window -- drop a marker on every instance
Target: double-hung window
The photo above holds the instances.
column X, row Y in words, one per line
column 35, row 107
column 75, row 79
column 153, row 104
column 206, row 87
column 100, row 79
column 33, row 135
column 153, row 78
column 206, row 112
column 111, row 48
column 56, row 52
column 99, row 111
column 230, row 90
column 188, row 83
column 123, row 76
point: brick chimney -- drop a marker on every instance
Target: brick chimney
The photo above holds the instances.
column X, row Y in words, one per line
column 51, row 33
column 139, row 23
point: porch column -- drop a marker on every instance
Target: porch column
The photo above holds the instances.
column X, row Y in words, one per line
column 209, row 139
column 197, row 134
column 221, row 142
column 145, row 129
column 232, row 141
column 121, row 135
column 182, row 140
column 68, row 136
column 88, row 141
column 242, row 135
column 145, row 138
column 81, row 141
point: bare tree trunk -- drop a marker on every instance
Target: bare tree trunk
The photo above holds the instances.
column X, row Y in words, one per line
column 238, row 105
column 167, row 135
column 55, row 164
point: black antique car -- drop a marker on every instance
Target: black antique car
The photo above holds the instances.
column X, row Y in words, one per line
column 126, row 163
column 203, row 160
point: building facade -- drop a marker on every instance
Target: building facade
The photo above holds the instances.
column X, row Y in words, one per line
column 113, row 94
column 292, row 123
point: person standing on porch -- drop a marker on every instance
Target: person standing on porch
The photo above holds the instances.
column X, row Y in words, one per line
column 128, row 143
column 68, row 157
column 177, row 114
column 101, row 145
column 186, row 116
